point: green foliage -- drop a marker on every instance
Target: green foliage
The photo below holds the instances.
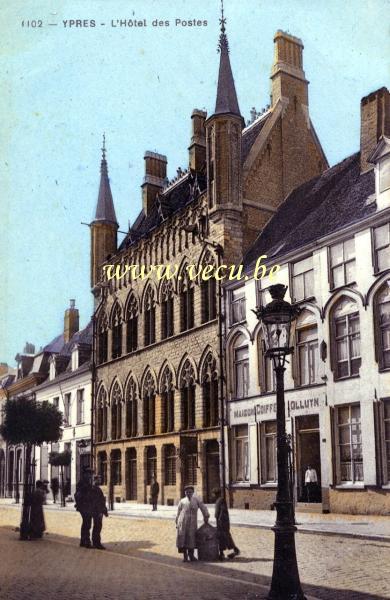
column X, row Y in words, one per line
column 26, row 421
column 60, row 459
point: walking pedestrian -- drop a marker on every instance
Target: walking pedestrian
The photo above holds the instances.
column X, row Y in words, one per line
column 225, row 540
column 37, row 520
column 154, row 492
column 55, row 486
column 83, row 499
column 187, row 523
column 311, row 481
column 99, row 509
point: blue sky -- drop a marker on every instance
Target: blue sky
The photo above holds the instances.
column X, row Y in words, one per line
column 63, row 87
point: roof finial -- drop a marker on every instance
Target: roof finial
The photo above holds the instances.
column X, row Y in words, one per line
column 223, row 41
column 104, row 147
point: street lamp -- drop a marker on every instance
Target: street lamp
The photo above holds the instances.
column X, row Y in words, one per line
column 277, row 317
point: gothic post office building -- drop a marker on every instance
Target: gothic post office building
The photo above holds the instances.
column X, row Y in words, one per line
column 331, row 237
column 157, row 376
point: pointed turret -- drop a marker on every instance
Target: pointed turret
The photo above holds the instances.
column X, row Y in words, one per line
column 224, row 170
column 226, row 101
column 104, row 226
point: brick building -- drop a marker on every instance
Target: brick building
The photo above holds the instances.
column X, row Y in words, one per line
column 157, row 380
column 331, row 237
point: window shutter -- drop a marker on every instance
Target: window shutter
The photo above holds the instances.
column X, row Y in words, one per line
column 333, row 434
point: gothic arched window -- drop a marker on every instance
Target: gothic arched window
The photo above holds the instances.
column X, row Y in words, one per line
column 149, row 404
column 101, row 416
column 382, row 325
column 209, row 381
column 131, row 409
column 208, row 289
column 187, row 392
column 102, row 339
column 116, row 331
column 116, row 412
column 149, row 318
column 167, row 310
column 132, row 324
column 167, row 401
column 186, row 302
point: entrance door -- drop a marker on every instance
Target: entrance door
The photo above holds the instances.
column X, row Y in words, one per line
column 308, row 438
column 132, row 474
column 212, row 469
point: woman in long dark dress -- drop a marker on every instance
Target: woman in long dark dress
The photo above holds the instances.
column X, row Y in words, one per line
column 37, row 520
column 225, row 540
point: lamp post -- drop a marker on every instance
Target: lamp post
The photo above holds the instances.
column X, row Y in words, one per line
column 277, row 317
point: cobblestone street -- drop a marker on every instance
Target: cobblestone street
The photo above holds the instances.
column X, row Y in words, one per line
column 141, row 563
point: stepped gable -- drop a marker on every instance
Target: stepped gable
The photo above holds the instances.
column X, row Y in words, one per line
column 172, row 200
column 325, row 204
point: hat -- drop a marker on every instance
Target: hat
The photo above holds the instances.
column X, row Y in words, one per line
column 189, row 487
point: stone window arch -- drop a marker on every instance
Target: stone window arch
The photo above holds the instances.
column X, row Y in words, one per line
column 101, row 416
column 132, row 324
column 208, row 290
column 382, row 325
column 209, row 382
column 102, row 338
column 149, row 404
column 167, row 312
column 131, row 409
column 149, row 317
column 167, row 401
column 187, row 392
column 116, row 321
column 116, row 412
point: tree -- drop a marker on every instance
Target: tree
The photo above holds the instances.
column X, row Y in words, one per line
column 61, row 459
column 30, row 423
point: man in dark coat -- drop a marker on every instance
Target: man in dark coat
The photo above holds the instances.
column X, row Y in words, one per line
column 99, row 509
column 154, row 492
column 37, row 521
column 83, row 500
column 225, row 539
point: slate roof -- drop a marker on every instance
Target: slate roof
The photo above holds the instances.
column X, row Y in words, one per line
column 249, row 136
column 321, row 206
column 63, row 376
column 226, row 101
column 57, row 345
column 167, row 204
column 105, row 210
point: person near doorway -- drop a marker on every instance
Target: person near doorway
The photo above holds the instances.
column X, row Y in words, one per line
column 154, row 492
column 225, row 540
column 37, row 520
column 311, row 482
column 187, row 523
column 55, row 486
column 99, row 509
column 83, row 504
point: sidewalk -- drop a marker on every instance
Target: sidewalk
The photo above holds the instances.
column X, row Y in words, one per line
column 357, row 526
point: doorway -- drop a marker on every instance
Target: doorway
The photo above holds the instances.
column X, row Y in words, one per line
column 212, row 469
column 131, row 474
column 308, row 453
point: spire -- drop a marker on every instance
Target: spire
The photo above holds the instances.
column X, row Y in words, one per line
column 226, row 94
column 105, row 206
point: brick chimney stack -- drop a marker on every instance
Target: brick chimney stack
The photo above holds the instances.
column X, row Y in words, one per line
column 197, row 149
column 375, row 122
column 287, row 75
column 155, row 178
column 71, row 321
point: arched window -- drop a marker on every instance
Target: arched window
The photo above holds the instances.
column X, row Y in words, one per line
column 306, row 360
column 345, row 325
column 209, row 381
column 132, row 324
column 167, row 314
column 101, row 416
column 266, row 369
column 186, row 302
column 382, row 325
column 131, row 409
column 241, row 366
column 149, row 404
column 102, row 339
column 208, row 290
column 116, row 331
column 102, row 467
column 149, row 318
column 187, row 391
column 167, row 401
column 116, row 412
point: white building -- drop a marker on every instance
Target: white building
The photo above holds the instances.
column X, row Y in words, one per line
column 331, row 237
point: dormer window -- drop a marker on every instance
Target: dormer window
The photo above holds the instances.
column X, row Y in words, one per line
column 384, row 175
column 380, row 158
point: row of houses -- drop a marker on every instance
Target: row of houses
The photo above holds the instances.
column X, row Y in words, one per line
column 170, row 378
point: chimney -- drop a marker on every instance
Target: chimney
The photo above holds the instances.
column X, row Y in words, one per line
column 155, row 178
column 375, row 122
column 71, row 321
column 287, row 75
column 197, row 149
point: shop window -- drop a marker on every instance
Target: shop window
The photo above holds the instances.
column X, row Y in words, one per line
column 268, row 452
column 349, row 444
column 241, row 453
column 342, row 263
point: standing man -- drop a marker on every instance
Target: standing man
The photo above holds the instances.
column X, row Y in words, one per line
column 83, row 499
column 187, row 523
column 154, row 492
column 99, row 509
column 311, row 482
